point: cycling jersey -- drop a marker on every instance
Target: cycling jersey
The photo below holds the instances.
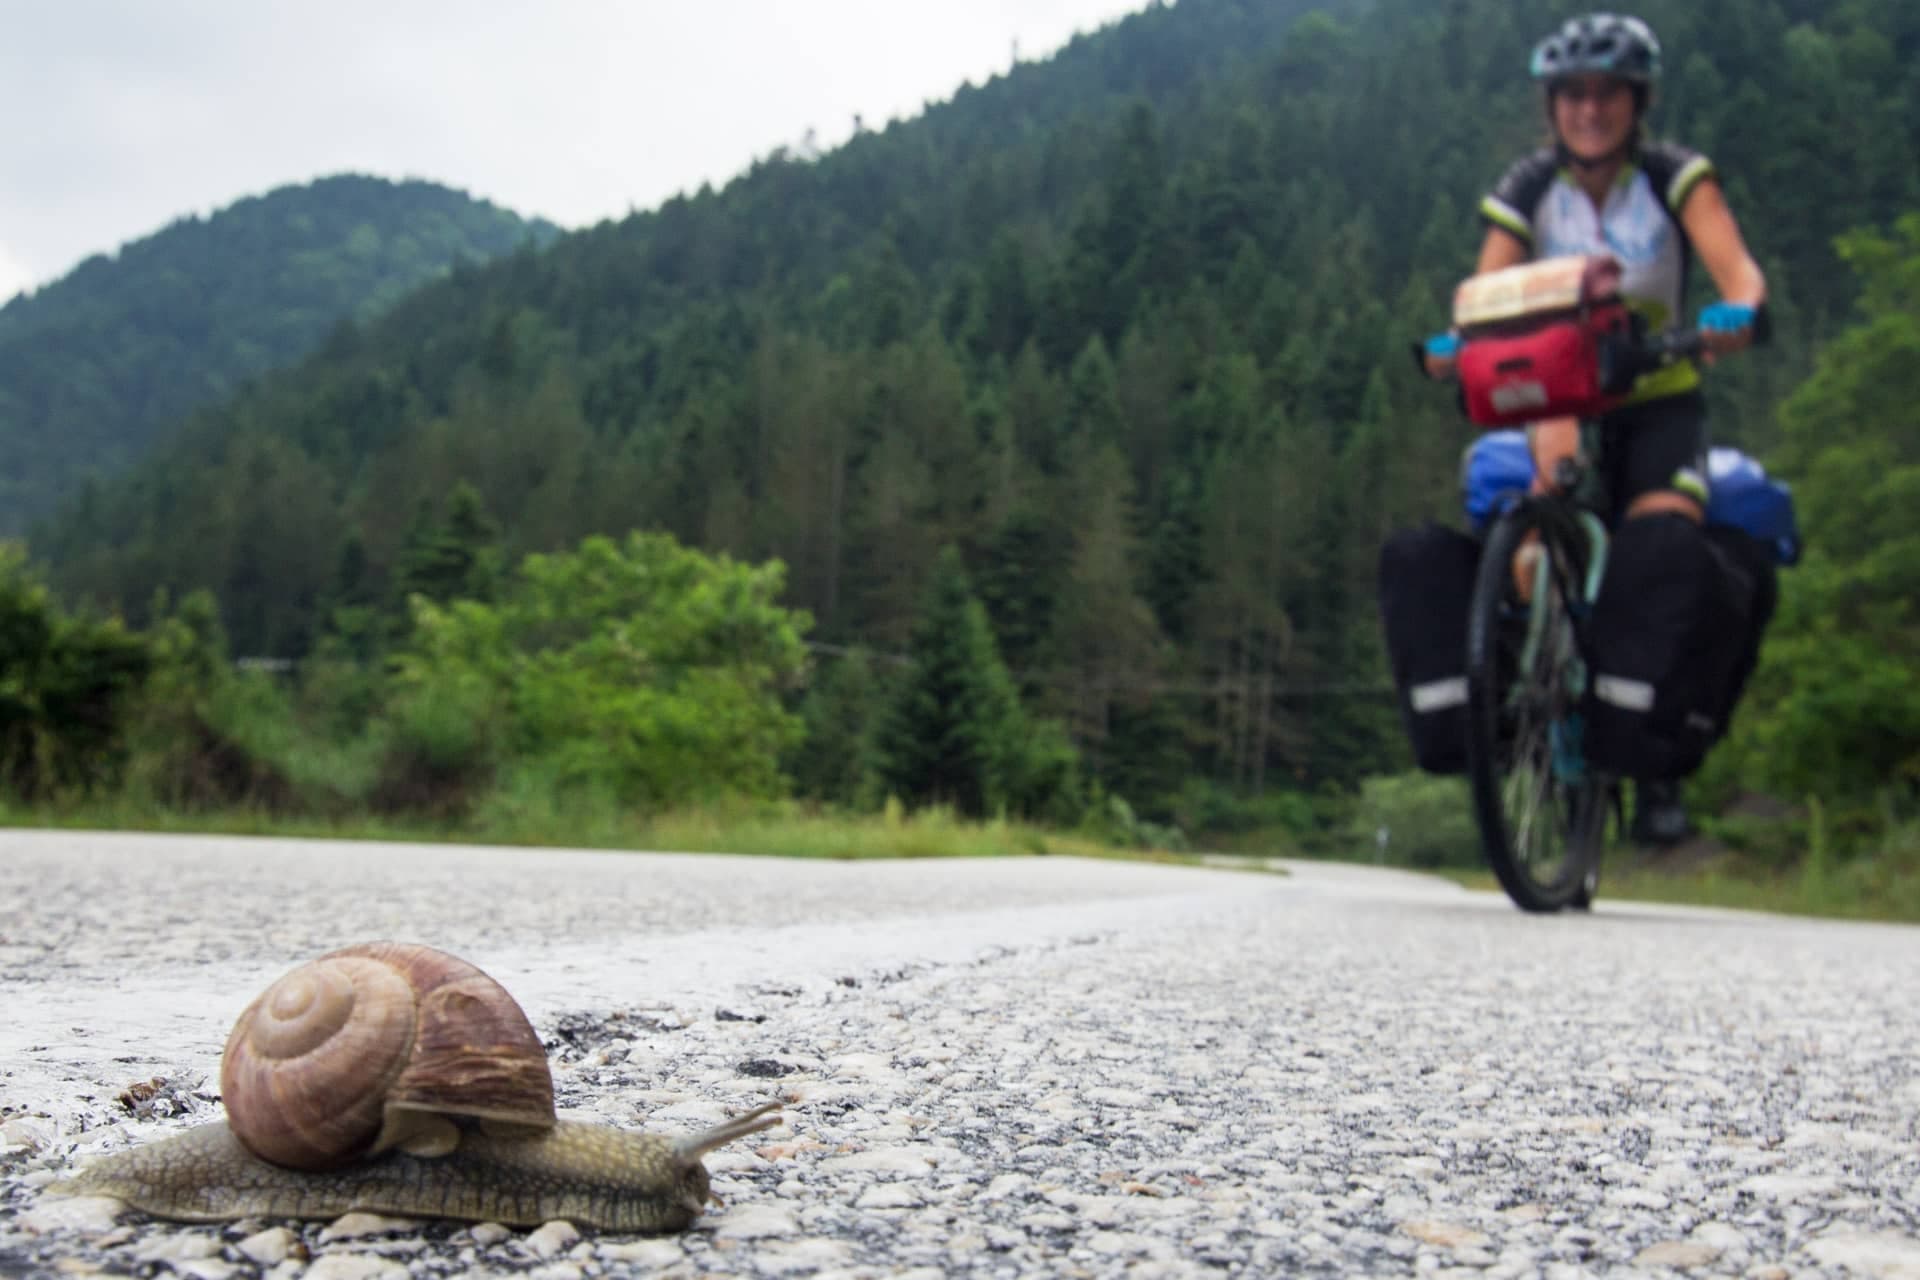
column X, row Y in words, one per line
column 1541, row 202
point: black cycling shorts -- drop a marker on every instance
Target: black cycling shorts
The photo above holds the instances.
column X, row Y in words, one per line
column 1652, row 446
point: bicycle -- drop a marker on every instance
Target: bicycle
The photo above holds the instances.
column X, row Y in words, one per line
column 1541, row 810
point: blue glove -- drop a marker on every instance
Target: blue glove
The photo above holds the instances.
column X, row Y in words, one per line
column 1442, row 345
column 1726, row 317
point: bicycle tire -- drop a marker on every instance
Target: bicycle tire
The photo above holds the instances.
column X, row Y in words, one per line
column 1542, row 820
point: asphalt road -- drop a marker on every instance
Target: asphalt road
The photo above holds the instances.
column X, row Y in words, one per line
column 1021, row 1067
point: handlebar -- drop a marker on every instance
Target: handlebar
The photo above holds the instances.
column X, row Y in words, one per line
column 1627, row 360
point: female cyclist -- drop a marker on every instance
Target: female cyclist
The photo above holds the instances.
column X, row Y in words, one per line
column 1603, row 187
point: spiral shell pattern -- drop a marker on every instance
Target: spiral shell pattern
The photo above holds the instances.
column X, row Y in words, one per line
column 331, row 1059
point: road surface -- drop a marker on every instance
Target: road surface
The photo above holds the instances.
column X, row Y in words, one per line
column 1018, row 1067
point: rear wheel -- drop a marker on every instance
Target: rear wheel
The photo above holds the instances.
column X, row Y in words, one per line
column 1542, row 812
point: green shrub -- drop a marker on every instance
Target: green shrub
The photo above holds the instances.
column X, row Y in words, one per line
column 1210, row 808
column 1427, row 822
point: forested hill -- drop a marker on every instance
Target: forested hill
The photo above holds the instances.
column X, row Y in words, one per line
column 93, row 366
column 1127, row 328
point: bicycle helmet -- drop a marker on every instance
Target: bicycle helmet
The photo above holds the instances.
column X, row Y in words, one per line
column 1614, row 44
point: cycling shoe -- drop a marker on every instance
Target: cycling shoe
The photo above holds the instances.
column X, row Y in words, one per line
column 1659, row 814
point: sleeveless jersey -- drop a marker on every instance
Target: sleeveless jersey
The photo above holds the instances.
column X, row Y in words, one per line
column 1539, row 201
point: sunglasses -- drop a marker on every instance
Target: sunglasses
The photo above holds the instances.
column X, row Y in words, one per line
column 1591, row 91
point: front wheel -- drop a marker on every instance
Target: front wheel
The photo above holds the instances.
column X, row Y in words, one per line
column 1542, row 812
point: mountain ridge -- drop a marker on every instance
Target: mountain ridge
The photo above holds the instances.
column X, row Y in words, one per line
column 95, row 364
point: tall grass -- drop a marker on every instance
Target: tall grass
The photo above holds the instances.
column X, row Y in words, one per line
column 528, row 816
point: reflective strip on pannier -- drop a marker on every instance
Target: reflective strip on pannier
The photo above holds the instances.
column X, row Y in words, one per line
column 1438, row 695
column 1628, row 695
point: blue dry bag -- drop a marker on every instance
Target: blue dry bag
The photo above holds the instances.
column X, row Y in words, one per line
column 1746, row 497
column 1498, row 469
column 1496, row 472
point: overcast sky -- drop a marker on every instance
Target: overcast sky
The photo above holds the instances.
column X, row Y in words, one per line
column 118, row 116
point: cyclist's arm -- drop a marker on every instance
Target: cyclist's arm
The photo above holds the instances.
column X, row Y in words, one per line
column 1500, row 249
column 1716, row 238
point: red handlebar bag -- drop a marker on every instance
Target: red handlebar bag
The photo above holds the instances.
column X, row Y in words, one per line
column 1533, row 339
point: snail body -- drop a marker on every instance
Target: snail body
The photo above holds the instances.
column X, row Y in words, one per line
column 590, row 1175
column 398, row 1079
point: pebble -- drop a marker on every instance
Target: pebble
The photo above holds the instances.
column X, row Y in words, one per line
column 31, row 1133
column 360, row 1226
column 889, row 1196
column 353, row 1266
column 1878, row 1253
column 1444, row 1235
column 182, row 1246
column 802, row 1257
column 80, row 1215
column 757, row 1222
column 1680, row 1255
column 644, row 1255
column 551, row 1239
column 885, row 1160
column 269, row 1247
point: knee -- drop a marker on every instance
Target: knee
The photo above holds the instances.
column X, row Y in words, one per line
column 1662, row 502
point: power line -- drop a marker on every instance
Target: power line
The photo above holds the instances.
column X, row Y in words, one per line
column 1209, row 689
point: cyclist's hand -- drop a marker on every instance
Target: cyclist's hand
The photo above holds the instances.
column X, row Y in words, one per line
column 1726, row 327
column 1438, row 355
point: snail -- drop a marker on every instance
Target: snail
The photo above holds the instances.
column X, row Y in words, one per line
column 394, row 1078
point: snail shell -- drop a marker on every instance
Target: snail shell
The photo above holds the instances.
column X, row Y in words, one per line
column 379, row 1046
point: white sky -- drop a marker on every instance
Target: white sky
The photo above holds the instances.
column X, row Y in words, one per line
column 118, row 116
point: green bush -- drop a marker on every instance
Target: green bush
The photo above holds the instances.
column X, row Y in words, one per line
column 1834, row 711
column 1208, row 807
column 644, row 668
column 67, row 689
column 1428, row 822
column 1111, row 820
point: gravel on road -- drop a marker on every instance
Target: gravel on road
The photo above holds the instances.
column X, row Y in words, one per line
column 1016, row 1067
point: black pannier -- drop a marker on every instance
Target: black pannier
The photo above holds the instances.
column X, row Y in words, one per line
column 1672, row 638
column 1426, row 588
column 1756, row 561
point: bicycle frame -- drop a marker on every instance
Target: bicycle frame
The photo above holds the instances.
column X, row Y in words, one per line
column 1596, row 534
column 1539, row 694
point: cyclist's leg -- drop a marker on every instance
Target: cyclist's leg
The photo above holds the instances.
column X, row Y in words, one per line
column 1656, row 459
column 1655, row 455
column 1550, row 441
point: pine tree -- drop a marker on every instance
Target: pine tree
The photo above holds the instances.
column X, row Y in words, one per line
column 456, row 558
column 1106, row 645
column 835, row 761
column 955, row 731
